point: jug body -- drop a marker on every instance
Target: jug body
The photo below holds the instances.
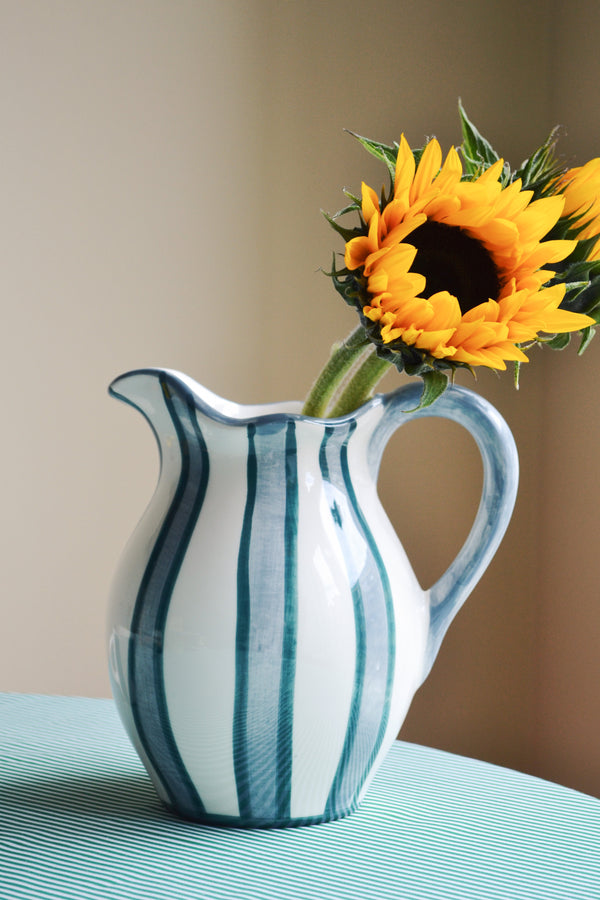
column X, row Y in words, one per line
column 266, row 631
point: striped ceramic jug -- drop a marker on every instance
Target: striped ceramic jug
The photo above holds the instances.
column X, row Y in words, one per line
column 266, row 631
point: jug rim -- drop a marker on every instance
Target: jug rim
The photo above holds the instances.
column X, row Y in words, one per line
column 230, row 412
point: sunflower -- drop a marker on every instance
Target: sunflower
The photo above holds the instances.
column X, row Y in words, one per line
column 463, row 262
column 457, row 268
column 580, row 187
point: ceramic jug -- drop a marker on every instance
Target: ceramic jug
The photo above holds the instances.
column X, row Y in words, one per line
column 266, row 631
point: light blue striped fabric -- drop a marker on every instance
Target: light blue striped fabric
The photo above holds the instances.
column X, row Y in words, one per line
column 79, row 820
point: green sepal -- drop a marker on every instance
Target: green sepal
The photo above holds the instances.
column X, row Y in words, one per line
column 434, row 385
column 574, row 288
column 570, row 227
column 583, row 250
column 540, row 171
column 574, row 299
column 477, row 152
column 585, row 300
column 587, row 335
column 346, row 233
column 580, row 271
column 385, row 152
column 355, row 204
column 348, row 285
column 559, row 341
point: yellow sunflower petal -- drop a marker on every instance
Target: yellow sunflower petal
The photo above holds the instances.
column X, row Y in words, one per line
column 356, row 252
column 360, row 248
column 373, row 258
column 493, row 173
column 437, row 342
column 446, row 311
column 512, row 200
column 539, row 217
column 549, row 252
column 480, row 357
column 370, row 203
column 558, row 321
column 581, row 189
column 405, row 169
column 429, row 166
column 442, row 209
column 399, row 232
column 498, row 233
column 451, row 171
column 410, row 334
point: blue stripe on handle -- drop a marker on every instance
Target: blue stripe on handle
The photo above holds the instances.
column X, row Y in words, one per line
column 146, row 643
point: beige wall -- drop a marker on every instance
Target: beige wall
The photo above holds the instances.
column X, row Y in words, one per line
column 163, row 167
column 568, row 746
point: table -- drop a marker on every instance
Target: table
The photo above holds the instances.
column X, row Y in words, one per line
column 79, row 820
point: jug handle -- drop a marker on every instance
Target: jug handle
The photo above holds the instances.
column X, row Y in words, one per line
column 500, row 480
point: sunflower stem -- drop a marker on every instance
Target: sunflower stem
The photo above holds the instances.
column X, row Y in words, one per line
column 343, row 357
column 517, row 373
column 361, row 386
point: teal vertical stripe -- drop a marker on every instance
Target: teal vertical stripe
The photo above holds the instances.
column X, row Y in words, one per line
column 337, row 800
column 374, row 630
column 242, row 638
column 290, row 627
column 267, row 618
column 267, row 626
column 381, row 635
column 145, row 658
column 343, row 793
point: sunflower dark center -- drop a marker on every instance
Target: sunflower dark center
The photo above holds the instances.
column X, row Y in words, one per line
column 453, row 261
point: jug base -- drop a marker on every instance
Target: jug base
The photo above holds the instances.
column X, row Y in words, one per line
column 258, row 822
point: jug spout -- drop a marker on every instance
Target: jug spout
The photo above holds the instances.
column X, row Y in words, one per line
column 151, row 390
column 170, row 405
column 140, row 388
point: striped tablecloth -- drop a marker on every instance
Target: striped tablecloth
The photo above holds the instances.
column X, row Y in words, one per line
column 80, row 820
